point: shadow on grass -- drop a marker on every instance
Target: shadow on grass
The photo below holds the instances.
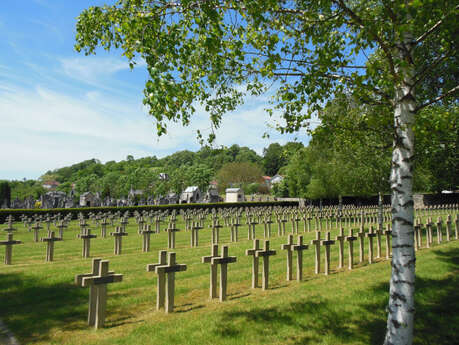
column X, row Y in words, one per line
column 238, row 296
column 184, row 308
column 31, row 307
column 436, row 319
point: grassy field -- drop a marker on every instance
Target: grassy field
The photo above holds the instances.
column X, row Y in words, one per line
column 41, row 305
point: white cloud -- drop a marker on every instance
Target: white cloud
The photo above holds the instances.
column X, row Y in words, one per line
column 91, row 68
column 44, row 129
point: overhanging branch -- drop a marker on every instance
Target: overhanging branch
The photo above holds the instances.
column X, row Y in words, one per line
column 433, row 28
column 439, row 98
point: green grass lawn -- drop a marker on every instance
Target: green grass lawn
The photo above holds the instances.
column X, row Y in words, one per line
column 41, row 305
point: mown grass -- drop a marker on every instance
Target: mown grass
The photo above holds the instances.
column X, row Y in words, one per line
column 41, row 305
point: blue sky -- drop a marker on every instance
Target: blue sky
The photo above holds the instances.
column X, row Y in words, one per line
column 59, row 107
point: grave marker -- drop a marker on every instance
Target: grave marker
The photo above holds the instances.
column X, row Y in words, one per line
column 223, row 261
column 213, row 270
column 171, row 230
column 161, row 282
column 9, row 243
column 146, row 232
column 36, row 228
column 327, row 243
column 86, row 237
column 100, row 282
column 265, row 254
column 370, row 236
column 316, row 244
column 340, row 240
column 50, row 245
column 169, row 269
column 195, row 234
column 118, row 235
column 255, row 262
column 92, row 290
column 215, row 231
column 350, row 239
column 361, row 236
column 299, row 247
column 289, row 248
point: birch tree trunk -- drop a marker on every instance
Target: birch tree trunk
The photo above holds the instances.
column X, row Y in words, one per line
column 401, row 300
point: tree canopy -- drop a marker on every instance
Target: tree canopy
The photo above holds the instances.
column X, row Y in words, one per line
column 397, row 57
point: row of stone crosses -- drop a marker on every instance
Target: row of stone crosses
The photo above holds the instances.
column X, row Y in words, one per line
column 194, row 222
column 167, row 266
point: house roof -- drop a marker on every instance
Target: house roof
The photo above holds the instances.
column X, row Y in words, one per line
column 232, row 190
column 191, row 189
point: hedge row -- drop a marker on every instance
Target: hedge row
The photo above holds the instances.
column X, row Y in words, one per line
column 16, row 213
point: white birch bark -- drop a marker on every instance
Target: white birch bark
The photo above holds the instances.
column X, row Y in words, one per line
column 401, row 300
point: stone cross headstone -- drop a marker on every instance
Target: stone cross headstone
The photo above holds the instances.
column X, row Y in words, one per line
column 418, row 235
column 36, row 228
column 161, row 282
column 299, row 247
column 255, row 262
column 379, row 233
column 388, row 234
column 251, row 233
column 92, row 290
column 169, row 270
column 265, row 254
column 370, row 236
column 146, row 232
column 327, row 243
column 316, row 244
column 86, row 236
column 50, row 245
column 223, row 261
column 267, row 226
column 361, row 236
column 279, row 224
column 234, row 230
column 124, row 222
column 195, row 227
column 439, row 230
column 215, row 231
column 448, row 228
column 99, row 278
column 284, row 220
column 61, row 226
column 213, row 270
column 340, row 239
column 350, row 239
column 9, row 243
column 289, row 248
column 416, row 230
column 118, row 235
column 171, row 230
column 140, row 225
column 429, row 233
column 103, row 227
